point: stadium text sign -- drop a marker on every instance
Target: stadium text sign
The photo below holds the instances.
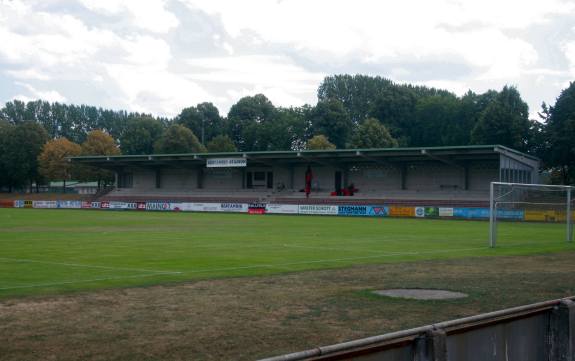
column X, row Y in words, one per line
column 226, row 162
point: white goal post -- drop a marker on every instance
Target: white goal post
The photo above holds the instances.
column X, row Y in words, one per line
column 506, row 198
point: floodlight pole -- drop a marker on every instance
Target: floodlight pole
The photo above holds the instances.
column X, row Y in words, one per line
column 492, row 232
column 569, row 217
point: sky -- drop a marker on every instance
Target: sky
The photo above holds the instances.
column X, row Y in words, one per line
column 160, row 56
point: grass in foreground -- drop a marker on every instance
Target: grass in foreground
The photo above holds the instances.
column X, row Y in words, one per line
column 253, row 317
column 54, row 251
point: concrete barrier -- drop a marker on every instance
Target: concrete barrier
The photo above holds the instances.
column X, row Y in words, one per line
column 541, row 331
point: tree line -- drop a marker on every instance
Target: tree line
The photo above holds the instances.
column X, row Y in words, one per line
column 353, row 111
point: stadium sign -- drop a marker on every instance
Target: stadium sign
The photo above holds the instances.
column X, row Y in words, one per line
column 352, row 210
column 226, row 162
column 317, row 209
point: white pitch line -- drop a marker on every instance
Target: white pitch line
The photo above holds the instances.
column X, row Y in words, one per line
column 87, row 281
column 333, row 260
column 25, row 260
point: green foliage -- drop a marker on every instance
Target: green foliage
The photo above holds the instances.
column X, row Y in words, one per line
column 435, row 119
column 561, row 134
column 178, row 139
column 203, row 120
column 372, row 134
column 98, row 142
column 504, row 121
column 319, row 142
column 20, row 146
column 221, row 144
column 53, row 161
column 332, row 120
column 244, row 118
column 140, row 135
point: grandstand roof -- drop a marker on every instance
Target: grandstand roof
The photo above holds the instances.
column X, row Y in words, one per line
column 382, row 155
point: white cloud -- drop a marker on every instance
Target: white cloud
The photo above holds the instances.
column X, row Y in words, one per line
column 33, row 94
column 150, row 15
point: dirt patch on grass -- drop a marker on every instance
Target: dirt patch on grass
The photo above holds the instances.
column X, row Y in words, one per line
column 247, row 318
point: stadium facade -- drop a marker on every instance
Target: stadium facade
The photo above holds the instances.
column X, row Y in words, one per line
column 452, row 173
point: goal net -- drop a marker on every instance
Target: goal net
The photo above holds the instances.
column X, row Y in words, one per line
column 534, row 204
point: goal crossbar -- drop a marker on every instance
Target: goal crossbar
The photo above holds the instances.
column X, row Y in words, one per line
column 494, row 203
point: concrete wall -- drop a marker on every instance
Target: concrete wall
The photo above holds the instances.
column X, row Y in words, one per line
column 368, row 178
column 543, row 331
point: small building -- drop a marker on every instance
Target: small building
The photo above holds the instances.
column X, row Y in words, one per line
column 457, row 172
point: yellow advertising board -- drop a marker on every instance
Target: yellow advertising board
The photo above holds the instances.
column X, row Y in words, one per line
column 396, row 211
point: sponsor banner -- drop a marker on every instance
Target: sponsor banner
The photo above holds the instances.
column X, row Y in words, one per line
column 431, row 212
column 70, row 204
column 226, row 162
column 395, row 211
column 95, row 205
column 282, row 208
column 352, row 210
column 257, row 208
column 317, row 209
column 518, row 215
column 158, row 206
column 471, row 213
column 28, row 204
column 378, row 211
column 234, row 207
column 545, row 216
column 420, row 212
column 18, row 204
column 6, row 204
column 104, row 205
column 86, row 204
column 45, row 204
column 141, row 206
column 122, row 205
column 445, row 212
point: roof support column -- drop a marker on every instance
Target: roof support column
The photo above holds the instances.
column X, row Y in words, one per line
column 466, row 177
column 200, row 178
column 403, row 169
column 291, row 177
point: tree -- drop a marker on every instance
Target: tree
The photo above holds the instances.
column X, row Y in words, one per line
column 372, row 134
column 395, row 108
column 203, row 120
column 98, row 143
column 244, row 118
column 435, row 121
column 178, row 139
column 560, row 130
column 140, row 135
column 504, row 121
column 53, row 162
column 319, row 142
column 331, row 119
column 221, row 144
column 357, row 93
column 20, row 146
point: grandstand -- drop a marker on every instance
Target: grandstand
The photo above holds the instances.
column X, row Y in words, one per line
column 438, row 176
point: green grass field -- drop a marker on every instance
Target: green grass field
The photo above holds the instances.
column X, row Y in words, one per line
column 55, row 251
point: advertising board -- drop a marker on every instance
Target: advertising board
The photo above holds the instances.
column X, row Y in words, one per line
column 226, row 162
column 45, row 204
column 158, row 206
column 352, row 210
column 420, row 212
column 445, row 212
column 317, row 209
column 396, row 211
column 378, row 211
column 282, row 208
column 70, row 204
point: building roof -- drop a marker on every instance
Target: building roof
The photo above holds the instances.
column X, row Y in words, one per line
column 452, row 154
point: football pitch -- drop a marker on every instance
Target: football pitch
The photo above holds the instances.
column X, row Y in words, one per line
column 57, row 251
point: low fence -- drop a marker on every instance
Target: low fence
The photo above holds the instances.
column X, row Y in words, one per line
column 303, row 209
column 541, row 331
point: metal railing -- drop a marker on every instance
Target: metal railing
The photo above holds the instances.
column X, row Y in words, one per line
column 540, row 331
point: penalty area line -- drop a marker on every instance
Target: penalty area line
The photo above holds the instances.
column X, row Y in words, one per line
column 333, row 260
column 25, row 260
column 37, row 285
